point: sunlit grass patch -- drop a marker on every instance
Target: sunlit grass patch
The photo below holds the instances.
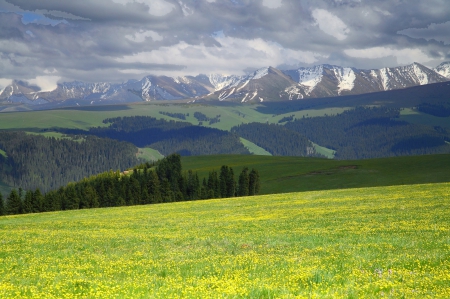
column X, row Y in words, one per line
column 389, row 242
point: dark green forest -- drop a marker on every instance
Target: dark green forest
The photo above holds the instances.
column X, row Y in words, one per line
column 146, row 183
column 276, row 139
column 181, row 116
column 168, row 136
column 203, row 118
column 372, row 132
column 34, row 161
column 439, row 110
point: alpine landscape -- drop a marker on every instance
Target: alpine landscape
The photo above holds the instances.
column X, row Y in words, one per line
column 224, row 149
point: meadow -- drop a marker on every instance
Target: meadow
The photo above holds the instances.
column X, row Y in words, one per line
column 293, row 174
column 384, row 242
column 86, row 117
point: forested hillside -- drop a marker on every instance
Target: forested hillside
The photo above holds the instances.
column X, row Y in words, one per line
column 276, row 139
column 145, row 184
column 34, row 161
column 372, row 132
column 168, row 136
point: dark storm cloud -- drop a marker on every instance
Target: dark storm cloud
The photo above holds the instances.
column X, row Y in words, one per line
column 119, row 39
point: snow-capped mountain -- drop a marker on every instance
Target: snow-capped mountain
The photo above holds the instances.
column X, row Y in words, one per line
column 265, row 84
column 328, row 80
column 443, row 69
column 80, row 93
column 262, row 84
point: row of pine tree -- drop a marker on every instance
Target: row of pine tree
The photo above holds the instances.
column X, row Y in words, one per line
column 145, row 184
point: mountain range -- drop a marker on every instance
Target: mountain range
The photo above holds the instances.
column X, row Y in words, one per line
column 266, row 84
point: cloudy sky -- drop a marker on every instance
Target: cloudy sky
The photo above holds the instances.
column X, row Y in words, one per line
column 49, row 41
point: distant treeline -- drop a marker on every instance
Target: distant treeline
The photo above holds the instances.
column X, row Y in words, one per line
column 168, row 136
column 364, row 133
column 439, row 110
column 145, row 184
column 276, row 139
column 34, row 161
column 202, row 117
column 175, row 115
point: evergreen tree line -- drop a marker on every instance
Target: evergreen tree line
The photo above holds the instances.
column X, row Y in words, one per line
column 181, row 116
column 364, row 133
column 34, row 161
column 439, row 110
column 167, row 136
column 276, row 139
column 202, row 117
column 145, row 184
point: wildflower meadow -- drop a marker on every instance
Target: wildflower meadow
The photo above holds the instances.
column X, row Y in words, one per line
column 382, row 242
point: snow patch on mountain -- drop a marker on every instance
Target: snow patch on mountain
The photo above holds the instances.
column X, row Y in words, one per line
column 294, row 92
column 420, row 74
column 385, row 75
column 243, row 85
column 254, row 95
column 222, row 81
column 258, row 74
column 310, row 77
column 346, row 78
column 443, row 69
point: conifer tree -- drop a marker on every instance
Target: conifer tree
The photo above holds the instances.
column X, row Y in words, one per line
column 166, row 192
column 227, row 182
column 153, row 187
column 91, row 196
column 27, row 205
column 38, row 199
column 243, row 187
column 214, row 189
column 2, row 205
column 71, row 200
column 254, row 183
column 14, row 203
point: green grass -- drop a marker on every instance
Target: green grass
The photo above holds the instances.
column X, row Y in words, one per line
column 254, row 149
column 329, row 153
column 416, row 117
column 291, row 174
column 149, row 154
column 84, row 118
column 3, row 153
column 389, row 242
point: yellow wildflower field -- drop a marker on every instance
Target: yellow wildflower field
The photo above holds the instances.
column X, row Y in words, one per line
column 387, row 242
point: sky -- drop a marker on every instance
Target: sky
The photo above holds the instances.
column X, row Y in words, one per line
column 49, row 41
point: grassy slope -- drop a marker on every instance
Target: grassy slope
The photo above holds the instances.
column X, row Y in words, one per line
column 329, row 153
column 416, row 117
column 149, row 154
column 254, row 149
column 389, row 242
column 290, row 174
column 231, row 115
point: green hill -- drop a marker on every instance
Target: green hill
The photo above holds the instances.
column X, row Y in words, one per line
column 356, row 243
column 291, row 174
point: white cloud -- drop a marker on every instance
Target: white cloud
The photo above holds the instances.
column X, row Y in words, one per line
column 140, row 36
column 4, row 82
column 157, row 7
column 403, row 56
column 45, row 83
column 232, row 57
column 272, row 3
column 330, row 24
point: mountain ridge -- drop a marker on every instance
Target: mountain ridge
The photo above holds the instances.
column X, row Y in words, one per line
column 265, row 84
